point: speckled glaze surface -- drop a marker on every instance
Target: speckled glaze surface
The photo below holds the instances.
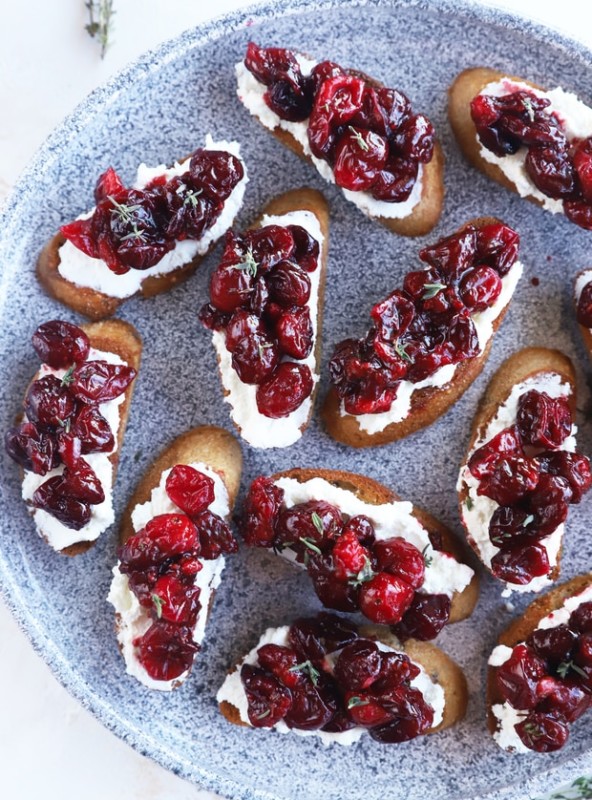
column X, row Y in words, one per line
column 160, row 108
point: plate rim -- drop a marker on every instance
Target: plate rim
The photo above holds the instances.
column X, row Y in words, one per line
column 92, row 105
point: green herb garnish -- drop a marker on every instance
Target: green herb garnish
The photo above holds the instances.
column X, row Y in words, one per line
column 307, row 667
column 362, row 144
column 158, row 604
column 431, row 290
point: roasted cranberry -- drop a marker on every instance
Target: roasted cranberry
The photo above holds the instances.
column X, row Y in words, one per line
column 165, row 536
column 295, row 332
column 285, row 391
column 542, row 733
column 395, row 670
column 211, row 318
column 552, row 644
column 543, row 421
column 268, row 700
column 452, row 255
column 60, row 344
column 216, row 172
column 506, row 443
column 580, row 619
column 358, row 665
column 332, row 591
column 241, row 324
column 518, row 677
column 262, row 508
column 579, row 212
column 191, row 211
column 189, row 489
column 400, row 557
column 349, row 556
column 480, row 287
column 343, row 95
column 109, row 183
column 497, row 246
column 393, row 315
column 509, row 522
column 98, row 381
column 396, row 106
column 561, row 698
column 395, row 182
column 415, row 138
column 31, row 448
column 230, row 287
column 359, row 156
column 362, row 528
column 385, row 598
column 412, row 714
column 271, row 63
column 288, row 285
column 270, row 245
column 93, row 431
column 312, row 522
column 582, row 161
column 283, row 663
column 551, row 171
column 255, row 358
column 549, row 503
column 176, row 602
column 69, row 448
column 289, row 102
column 215, row 536
column 584, row 310
column 166, row 650
column 575, row 468
column 509, row 480
column 312, row 707
column 49, row 402
column 425, row 617
column 520, row 563
column 82, row 483
column 306, row 248
column 326, row 633
column 366, row 710
column 52, row 496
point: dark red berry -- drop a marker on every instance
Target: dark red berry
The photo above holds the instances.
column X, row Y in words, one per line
column 189, row 489
column 285, row 390
column 166, row 650
column 425, row 617
column 49, row 403
column 400, row 557
column 385, row 598
column 60, row 344
column 215, row 536
column 542, row 733
column 543, row 421
column 52, row 496
column 262, row 508
column 520, row 563
column 98, row 381
column 518, row 677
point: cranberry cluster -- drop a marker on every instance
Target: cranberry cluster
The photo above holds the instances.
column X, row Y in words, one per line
column 584, row 307
column 63, row 422
column 427, row 324
column 558, row 167
column 162, row 561
column 370, row 136
column 550, row 677
column 134, row 228
column 259, row 296
column 350, row 569
column 533, row 481
column 365, row 687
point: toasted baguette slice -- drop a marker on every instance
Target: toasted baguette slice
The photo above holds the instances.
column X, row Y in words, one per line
column 521, row 628
column 375, row 493
column 440, row 667
column 303, row 199
column 427, row 404
column 524, row 364
column 465, row 87
column 582, row 279
column 425, row 215
column 121, row 338
column 94, row 304
column 208, row 445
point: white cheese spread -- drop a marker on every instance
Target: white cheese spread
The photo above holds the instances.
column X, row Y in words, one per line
column 478, row 516
column 58, row 535
column 233, row 692
column 575, row 118
column 401, row 406
column 134, row 620
column 251, row 93
column 255, row 428
column 93, row 273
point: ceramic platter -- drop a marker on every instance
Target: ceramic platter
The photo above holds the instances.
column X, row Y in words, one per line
column 160, row 108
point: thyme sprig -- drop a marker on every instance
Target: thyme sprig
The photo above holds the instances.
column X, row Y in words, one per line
column 309, row 669
column 364, row 575
column 158, row 604
column 248, row 264
column 431, row 290
column 100, row 22
column 362, row 143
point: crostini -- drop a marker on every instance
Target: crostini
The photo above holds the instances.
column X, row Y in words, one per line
column 522, row 470
column 583, row 303
column 68, row 441
column 540, row 674
column 265, row 314
column 147, row 238
column 360, row 135
column 325, row 677
column 174, row 536
column 365, row 549
column 535, row 142
column 428, row 341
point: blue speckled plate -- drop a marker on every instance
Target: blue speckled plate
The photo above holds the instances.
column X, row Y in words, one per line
column 162, row 107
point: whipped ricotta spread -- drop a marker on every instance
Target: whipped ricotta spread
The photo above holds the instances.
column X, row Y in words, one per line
column 58, row 535
column 255, row 428
column 401, row 406
column 575, row 118
column 93, row 273
column 478, row 516
column 134, row 620
column 506, row 716
column 443, row 573
column 232, row 691
column 582, row 280
column 251, row 94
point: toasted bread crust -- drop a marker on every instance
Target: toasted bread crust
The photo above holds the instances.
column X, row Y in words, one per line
column 584, row 331
column 517, row 368
column 426, row 213
column 114, row 336
column 303, row 199
column 427, row 405
column 465, row 87
column 373, row 492
column 521, row 628
column 91, row 303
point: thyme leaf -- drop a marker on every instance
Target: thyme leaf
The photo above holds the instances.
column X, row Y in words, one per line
column 158, row 604
column 317, row 522
column 248, row 264
column 311, row 545
column 100, row 22
column 307, row 667
column 362, row 144
column 431, row 290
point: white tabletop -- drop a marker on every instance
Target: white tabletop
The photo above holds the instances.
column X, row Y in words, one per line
column 50, row 747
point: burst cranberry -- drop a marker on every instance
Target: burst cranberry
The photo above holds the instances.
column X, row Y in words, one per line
column 295, row 332
column 216, row 172
column 385, row 598
column 506, row 443
column 400, row 557
column 262, row 508
column 270, row 245
column 60, row 344
column 230, row 287
column 331, row 590
column 497, row 246
column 582, row 161
column 283, row 663
column 314, row 521
column 288, row 285
column 69, row 448
column 212, row 319
column 452, row 255
column 176, row 602
column 52, row 497
column 93, row 431
column 362, row 528
column 415, row 138
column 509, row 480
column 109, row 183
column 480, row 288
column 31, row 448
column 543, row 421
column 553, row 644
column 290, row 102
column 579, row 212
column 82, row 483
column 49, row 402
column 349, row 556
column 326, row 633
column 311, row 708
column 306, row 248
column 173, row 534
column 285, row 391
column 509, row 522
column 166, row 650
column 343, row 95
column 215, row 536
column 395, row 182
column 580, row 619
column 359, row 156
column 255, row 358
column 98, row 381
column 562, row 699
column 269, row 64
column 393, row 315
column 518, row 677
column 551, row 171
column 549, row 503
column 542, row 733
column 584, row 310
column 366, row 710
column 520, row 563
column 573, row 467
column 395, row 670
column 358, row 665
column 240, row 326
column 189, row 489
column 425, row 617
column 268, row 700
column 413, row 717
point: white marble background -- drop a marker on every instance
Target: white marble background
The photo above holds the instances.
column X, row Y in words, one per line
column 49, row 746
